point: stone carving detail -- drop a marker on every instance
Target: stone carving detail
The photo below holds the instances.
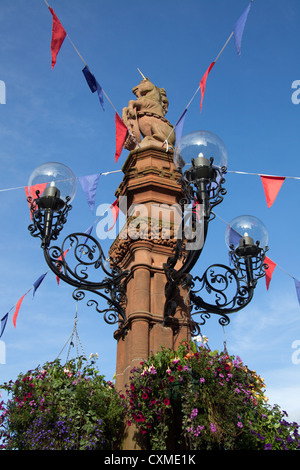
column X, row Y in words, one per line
column 158, row 234
column 145, row 117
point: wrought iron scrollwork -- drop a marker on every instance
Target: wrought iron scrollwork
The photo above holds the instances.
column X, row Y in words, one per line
column 79, row 259
column 221, row 290
column 230, row 290
column 47, row 224
column 77, row 263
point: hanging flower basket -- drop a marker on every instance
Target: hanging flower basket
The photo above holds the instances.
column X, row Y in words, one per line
column 62, row 407
column 197, row 399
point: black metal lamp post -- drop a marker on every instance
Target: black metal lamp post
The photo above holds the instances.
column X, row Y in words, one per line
column 229, row 289
column 49, row 211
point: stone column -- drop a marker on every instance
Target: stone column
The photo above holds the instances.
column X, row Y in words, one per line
column 150, row 180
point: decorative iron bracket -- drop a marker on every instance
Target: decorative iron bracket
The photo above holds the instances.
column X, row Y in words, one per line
column 77, row 262
column 228, row 289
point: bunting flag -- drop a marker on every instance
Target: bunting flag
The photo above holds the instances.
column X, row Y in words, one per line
column 272, row 185
column 32, row 190
column 88, row 232
column 234, row 237
column 203, row 82
column 121, row 134
column 37, row 283
column 239, row 29
column 115, row 211
column 297, row 285
column 93, row 84
column 58, row 37
column 89, row 186
column 59, row 267
column 179, row 126
column 196, row 209
column 17, row 310
column 269, row 271
column 3, row 324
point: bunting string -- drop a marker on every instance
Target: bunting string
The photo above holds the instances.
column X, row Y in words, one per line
column 227, row 171
column 272, row 264
column 58, row 36
column 238, row 33
column 40, row 279
column 269, row 272
column 263, row 174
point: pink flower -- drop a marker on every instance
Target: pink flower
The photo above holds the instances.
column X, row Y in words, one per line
column 213, row 427
column 166, row 401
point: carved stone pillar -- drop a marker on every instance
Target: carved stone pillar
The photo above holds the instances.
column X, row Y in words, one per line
column 143, row 246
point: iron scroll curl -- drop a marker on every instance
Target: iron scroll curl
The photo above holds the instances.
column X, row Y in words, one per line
column 77, row 262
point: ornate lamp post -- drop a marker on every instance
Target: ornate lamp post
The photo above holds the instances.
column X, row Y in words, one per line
column 231, row 289
column 49, row 212
column 149, row 287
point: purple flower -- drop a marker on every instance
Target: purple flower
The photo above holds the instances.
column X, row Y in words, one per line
column 213, row 427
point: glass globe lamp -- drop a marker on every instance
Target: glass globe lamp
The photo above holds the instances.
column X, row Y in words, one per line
column 247, row 235
column 200, row 148
column 53, row 180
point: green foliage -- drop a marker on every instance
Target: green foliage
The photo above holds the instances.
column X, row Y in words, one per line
column 198, row 399
column 189, row 399
column 62, row 407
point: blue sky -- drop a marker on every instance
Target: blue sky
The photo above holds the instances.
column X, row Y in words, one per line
column 51, row 115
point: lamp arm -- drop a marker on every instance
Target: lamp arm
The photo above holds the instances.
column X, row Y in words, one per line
column 216, row 281
column 86, row 256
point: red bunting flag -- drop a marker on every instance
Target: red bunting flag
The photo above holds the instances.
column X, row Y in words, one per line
column 17, row 310
column 59, row 265
column 203, row 82
column 31, row 192
column 121, row 134
column 58, row 37
column 196, row 209
column 269, row 271
column 272, row 185
column 115, row 210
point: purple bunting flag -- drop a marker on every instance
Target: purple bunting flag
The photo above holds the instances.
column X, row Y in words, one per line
column 234, row 237
column 297, row 285
column 37, row 283
column 93, row 84
column 179, row 126
column 3, row 324
column 89, row 186
column 239, row 29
